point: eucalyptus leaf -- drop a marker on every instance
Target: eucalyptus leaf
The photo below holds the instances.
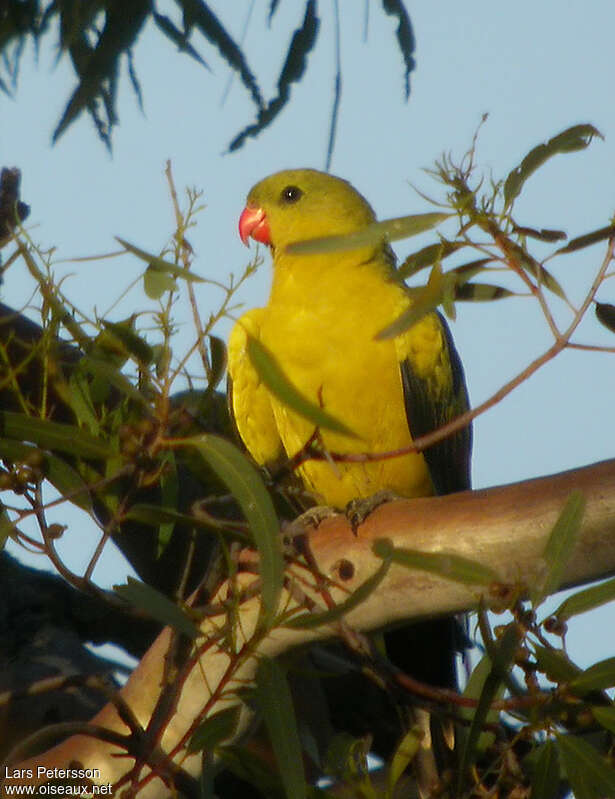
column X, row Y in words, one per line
column 156, row 605
column 215, row 730
column 401, row 227
column 589, row 774
column 54, row 436
column 546, row 777
column 586, row 599
column 273, row 698
column 575, row 138
column 245, row 483
column 559, row 547
column 605, row 314
column 276, row 381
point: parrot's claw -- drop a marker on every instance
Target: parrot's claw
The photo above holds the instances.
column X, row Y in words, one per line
column 310, row 519
column 359, row 509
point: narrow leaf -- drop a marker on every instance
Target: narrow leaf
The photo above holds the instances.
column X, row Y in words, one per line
column 274, row 700
column 178, row 37
column 502, row 658
column 156, row 605
column 605, row 314
column 159, row 264
column 545, row 779
column 246, row 485
column 481, row 292
column 605, row 716
column 428, row 256
column 131, row 340
column 424, row 301
column 401, row 227
column 580, row 242
column 308, row 621
column 596, row 678
column 215, row 730
column 555, row 664
column 448, row 565
column 405, row 37
column 544, row 234
column 590, row 776
column 577, row 137
column 276, row 381
column 155, row 283
column 54, row 436
column 560, row 546
column 587, row 599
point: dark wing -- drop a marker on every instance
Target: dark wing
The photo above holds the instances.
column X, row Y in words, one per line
column 429, row 405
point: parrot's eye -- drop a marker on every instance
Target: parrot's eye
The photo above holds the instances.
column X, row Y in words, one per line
column 290, row 195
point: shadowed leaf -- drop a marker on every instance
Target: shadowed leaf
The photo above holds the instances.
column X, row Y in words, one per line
column 587, row 599
column 580, row 242
column 304, row 39
column 559, row 547
column 274, row 701
column 215, row 730
column 590, row 776
column 605, row 314
column 389, row 230
column 54, row 436
column 546, row 777
column 575, row 138
column 245, row 483
column 157, row 605
column 405, row 37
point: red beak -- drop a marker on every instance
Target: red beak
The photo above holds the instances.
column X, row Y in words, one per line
column 253, row 223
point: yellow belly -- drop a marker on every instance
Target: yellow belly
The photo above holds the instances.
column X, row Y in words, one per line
column 327, row 348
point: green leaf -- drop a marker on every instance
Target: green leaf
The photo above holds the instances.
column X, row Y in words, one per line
column 62, row 476
column 428, row 256
column 543, row 234
column 502, row 659
column 575, row 138
column 246, row 485
column 444, row 564
column 214, row 730
column 155, row 283
column 474, row 690
column 580, row 242
column 605, row 716
column 274, row 701
column 308, row 621
column 54, row 436
column 218, row 358
column 158, row 264
column 425, row 300
column 605, row 314
column 481, row 292
column 106, row 371
column 134, row 344
column 406, row 751
column 401, row 227
column 555, row 664
column 156, row 605
column 559, row 547
column 596, row 678
column 276, row 381
column 6, row 527
column 589, row 774
column 587, row 599
column 545, row 777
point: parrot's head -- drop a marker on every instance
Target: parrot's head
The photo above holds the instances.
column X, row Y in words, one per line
column 300, row 204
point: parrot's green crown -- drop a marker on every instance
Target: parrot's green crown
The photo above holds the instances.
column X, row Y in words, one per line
column 301, row 204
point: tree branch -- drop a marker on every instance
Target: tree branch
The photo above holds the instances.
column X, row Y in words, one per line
column 504, row 528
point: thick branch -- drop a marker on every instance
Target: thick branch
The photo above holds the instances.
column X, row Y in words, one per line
column 504, row 527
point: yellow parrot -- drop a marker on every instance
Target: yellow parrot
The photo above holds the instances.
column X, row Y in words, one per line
column 321, row 324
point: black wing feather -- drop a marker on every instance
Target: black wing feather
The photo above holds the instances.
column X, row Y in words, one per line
column 428, row 407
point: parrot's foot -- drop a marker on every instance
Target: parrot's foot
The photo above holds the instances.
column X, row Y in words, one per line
column 359, row 509
column 310, row 519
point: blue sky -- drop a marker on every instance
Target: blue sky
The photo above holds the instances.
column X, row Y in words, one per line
column 535, row 68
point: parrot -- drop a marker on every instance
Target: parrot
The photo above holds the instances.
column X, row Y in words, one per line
column 321, row 324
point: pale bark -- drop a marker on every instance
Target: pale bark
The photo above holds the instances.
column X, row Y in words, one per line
column 504, row 528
